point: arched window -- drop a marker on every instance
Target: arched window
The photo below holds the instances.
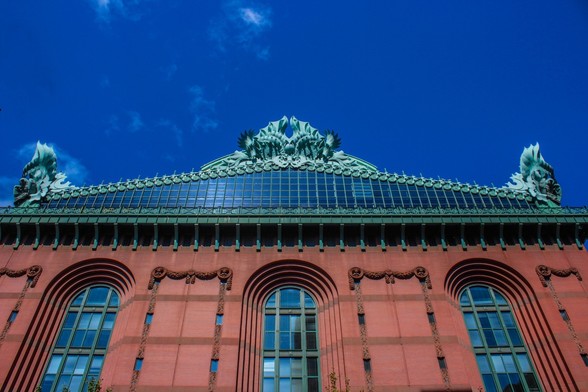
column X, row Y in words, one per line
column 78, row 352
column 500, row 352
column 290, row 342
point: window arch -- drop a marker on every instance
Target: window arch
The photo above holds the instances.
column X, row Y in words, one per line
column 499, row 348
column 78, row 352
column 290, row 342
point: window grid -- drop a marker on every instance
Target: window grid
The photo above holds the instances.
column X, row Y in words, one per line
column 290, row 344
column 78, row 353
column 290, row 188
column 500, row 351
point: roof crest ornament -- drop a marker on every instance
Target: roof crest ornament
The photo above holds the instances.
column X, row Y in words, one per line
column 305, row 146
column 536, row 178
column 39, row 177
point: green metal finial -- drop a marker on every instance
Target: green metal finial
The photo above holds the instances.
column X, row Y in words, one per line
column 305, row 146
column 536, row 178
column 39, row 177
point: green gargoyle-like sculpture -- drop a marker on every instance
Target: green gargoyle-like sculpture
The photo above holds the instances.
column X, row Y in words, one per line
column 306, row 145
column 39, row 177
column 536, row 178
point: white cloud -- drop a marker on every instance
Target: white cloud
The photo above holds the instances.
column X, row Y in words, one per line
column 75, row 171
column 135, row 122
column 170, row 71
column 174, row 129
column 113, row 125
column 242, row 24
column 203, row 111
column 106, row 9
column 251, row 16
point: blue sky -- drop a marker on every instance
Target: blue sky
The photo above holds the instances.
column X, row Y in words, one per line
column 456, row 89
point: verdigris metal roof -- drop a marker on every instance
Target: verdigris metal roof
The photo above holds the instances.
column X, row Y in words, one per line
column 276, row 171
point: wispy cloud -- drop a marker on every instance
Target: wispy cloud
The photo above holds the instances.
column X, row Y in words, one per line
column 169, row 71
column 106, row 9
column 242, row 24
column 135, row 122
column 112, row 125
column 171, row 127
column 104, row 81
column 202, row 110
column 75, row 171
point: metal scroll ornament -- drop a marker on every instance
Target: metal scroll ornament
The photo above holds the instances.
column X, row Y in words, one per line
column 536, row 178
column 39, row 177
column 306, row 146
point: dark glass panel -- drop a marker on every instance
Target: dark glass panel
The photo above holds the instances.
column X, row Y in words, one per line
column 290, row 298
column 481, row 296
column 97, row 296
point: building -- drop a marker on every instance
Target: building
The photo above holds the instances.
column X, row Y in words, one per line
column 292, row 266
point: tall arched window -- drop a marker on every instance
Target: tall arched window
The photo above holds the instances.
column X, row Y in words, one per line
column 78, row 352
column 500, row 352
column 290, row 343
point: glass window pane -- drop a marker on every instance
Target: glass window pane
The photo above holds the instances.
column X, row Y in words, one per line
column 271, row 302
column 78, row 338
column 481, row 296
column 70, row 319
column 97, row 296
column 78, row 300
column 313, row 385
column 114, row 301
column 497, row 327
column 312, row 366
column 489, row 383
column 470, row 320
column 285, row 384
column 284, row 323
column 84, row 321
column 76, row 382
column 483, row 364
column 269, row 342
column 497, row 363
column 63, row 338
column 290, row 298
column 96, row 363
column 54, row 364
column 270, row 322
column 296, row 385
column 285, row 367
column 476, row 339
column 269, row 367
column 285, row 341
column 81, row 364
column 295, row 326
column 308, row 301
column 103, row 339
column 268, row 385
column 63, row 383
column 524, row 363
column 95, row 320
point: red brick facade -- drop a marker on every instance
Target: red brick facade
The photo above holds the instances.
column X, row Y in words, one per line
column 399, row 338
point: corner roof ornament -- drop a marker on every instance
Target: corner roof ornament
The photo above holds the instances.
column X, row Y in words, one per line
column 536, row 178
column 305, row 146
column 39, row 177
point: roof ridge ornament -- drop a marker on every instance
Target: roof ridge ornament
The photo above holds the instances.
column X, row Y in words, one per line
column 305, row 146
column 536, row 178
column 39, row 177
